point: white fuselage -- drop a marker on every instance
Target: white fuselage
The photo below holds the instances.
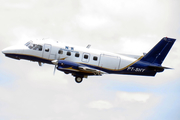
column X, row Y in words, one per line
column 52, row 50
column 83, row 55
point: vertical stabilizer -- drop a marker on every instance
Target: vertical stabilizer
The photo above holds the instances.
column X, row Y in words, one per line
column 158, row 53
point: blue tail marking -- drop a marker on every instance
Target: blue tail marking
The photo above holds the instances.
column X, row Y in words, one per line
column 158, row 53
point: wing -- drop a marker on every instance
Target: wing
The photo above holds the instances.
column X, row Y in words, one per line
column 71, row 67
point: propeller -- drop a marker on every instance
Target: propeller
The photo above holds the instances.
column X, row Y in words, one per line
column 54, row 70
column 55, row 62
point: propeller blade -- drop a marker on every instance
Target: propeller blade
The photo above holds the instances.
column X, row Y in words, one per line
column 54, row 70
column 55, row 62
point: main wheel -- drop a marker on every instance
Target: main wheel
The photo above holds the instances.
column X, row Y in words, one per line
column 78, row 79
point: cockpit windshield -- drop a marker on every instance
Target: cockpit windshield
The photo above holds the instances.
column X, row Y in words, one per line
column 32, row 46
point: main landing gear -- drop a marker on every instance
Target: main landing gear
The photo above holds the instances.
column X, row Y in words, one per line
column 78, row 79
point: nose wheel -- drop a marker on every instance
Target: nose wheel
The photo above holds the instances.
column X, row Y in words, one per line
column 78, row 79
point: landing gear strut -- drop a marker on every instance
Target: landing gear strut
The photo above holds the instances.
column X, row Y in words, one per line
column 78, row 79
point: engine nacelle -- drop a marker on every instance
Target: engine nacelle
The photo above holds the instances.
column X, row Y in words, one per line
column 67, row 64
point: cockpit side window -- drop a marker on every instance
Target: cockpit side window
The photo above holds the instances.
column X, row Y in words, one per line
column 40, row 47
column 32, row 46
column 37, row 47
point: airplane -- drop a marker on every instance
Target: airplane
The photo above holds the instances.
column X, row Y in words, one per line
column 82, row 62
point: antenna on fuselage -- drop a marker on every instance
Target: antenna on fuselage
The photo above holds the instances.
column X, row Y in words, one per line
column 88, row 46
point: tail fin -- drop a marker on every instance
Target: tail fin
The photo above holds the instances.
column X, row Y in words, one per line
column 158, row 53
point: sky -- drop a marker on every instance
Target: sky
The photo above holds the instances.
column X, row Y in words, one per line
column 30, row 92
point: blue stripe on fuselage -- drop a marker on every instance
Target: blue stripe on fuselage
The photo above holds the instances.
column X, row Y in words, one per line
column 29, row 57
column 138, row 68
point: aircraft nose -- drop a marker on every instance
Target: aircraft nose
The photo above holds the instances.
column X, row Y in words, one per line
column 9, row 50
column 5, row 51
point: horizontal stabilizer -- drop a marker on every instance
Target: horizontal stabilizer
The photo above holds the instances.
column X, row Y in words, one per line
column 157, row 68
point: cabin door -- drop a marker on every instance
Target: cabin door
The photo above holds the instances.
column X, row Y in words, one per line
column 109, row 62
column 47, row 51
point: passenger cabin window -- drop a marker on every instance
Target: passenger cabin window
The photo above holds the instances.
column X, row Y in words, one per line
column 32, row 46
column 68, row 53
column 60, row 51
column 77, row 55
column 47, row 49
column 85, row 56
column 95, row 58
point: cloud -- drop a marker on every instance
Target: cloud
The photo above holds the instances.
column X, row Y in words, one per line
column 100, row 104
column 133, row 97
column 120, row 26
column 137, row 104
column 125, row 103
column 91, row 22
